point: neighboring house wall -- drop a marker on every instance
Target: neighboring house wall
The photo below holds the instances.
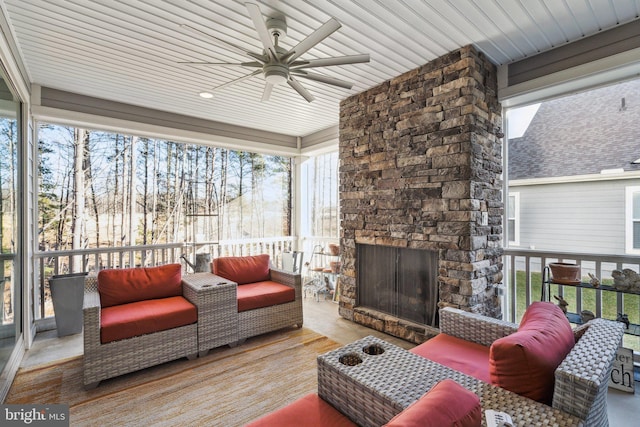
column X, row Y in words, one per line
column 583, row 217
column 571, row 169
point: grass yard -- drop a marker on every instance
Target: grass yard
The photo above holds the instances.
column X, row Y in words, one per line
column 631, row 303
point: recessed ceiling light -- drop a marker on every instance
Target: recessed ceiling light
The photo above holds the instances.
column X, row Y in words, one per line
column 206, row 95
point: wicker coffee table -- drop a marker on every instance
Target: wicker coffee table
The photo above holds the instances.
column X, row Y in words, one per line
column 371, row 380
column 217, row 303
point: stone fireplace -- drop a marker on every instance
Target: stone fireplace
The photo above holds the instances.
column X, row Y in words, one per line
column 420, row 168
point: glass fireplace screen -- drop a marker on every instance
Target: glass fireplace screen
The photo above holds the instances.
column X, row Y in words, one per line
column 399, row 281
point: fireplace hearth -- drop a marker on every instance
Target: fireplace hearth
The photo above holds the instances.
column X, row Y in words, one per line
column 420, row 169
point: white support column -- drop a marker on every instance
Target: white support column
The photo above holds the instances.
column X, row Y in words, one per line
column 296, row 205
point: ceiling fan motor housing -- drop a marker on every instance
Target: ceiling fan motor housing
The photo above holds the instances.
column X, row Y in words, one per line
column 276, row 73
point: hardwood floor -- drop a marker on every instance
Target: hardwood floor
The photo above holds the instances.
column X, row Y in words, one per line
column 322, row 317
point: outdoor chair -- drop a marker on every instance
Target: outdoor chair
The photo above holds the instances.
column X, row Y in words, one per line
column 268, row 299
column 135, row 318
column 534, row 361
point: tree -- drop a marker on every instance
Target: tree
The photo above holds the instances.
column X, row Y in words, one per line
column 81, row 137
column 284, row 166
column 107, row 189
column 8, row 168
column 47, row 198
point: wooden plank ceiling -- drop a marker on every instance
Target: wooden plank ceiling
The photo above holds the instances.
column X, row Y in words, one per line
column 128, row 51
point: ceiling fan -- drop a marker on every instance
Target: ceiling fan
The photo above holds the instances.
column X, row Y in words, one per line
column 279, row 65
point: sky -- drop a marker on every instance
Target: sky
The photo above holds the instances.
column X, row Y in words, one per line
column 518, row 120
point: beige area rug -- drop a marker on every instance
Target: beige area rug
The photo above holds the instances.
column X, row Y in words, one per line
column 228, row 387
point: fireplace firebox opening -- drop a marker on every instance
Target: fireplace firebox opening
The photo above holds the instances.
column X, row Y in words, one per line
column 401, row 282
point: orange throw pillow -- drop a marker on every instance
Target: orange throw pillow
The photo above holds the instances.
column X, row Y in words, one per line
column 243, row 269
column 525, row 362
column 446, row 404
column 124, row 285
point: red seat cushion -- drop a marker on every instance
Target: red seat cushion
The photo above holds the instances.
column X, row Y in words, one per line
column 464, row 356
column 243, row 269
column 525, row 362
column 446, row 404
column 308, row 411
column 264, row 294
column 125, row 285
column 145, row 317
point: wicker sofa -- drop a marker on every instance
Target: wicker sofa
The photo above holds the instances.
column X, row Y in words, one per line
column 582, row 377
column 268, row 299
column 136, row 318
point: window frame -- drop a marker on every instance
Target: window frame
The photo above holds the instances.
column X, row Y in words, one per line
column 515, row 216
column 629, row 220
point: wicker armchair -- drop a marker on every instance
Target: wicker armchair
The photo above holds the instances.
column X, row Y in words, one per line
column 267, row 319
column 254, row 271
column 102, row 361
column 581, row 380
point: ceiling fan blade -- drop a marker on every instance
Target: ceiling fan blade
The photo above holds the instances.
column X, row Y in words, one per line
column 267, row 92
column 261, row 27
column 327, row 62
column 300, row 89
column 238, row 80
column 231, row 64
column 225, row 42
column 323, row 79
column 314, row 38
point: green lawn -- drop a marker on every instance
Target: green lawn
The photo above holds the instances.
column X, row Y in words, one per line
column 631, row 303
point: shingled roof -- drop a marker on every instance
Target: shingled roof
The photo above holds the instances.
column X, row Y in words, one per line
column 580, row 134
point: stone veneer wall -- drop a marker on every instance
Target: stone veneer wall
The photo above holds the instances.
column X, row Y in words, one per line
column 420, row 165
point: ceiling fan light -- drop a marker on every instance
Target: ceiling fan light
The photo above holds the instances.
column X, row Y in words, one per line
column 276, row 79
column 206, row 95
column 276, row 74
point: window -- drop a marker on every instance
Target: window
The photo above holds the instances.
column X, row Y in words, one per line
column 632, row 220
column 10, row 242
column 320, row 196
column 143, row 191
column 513, row 219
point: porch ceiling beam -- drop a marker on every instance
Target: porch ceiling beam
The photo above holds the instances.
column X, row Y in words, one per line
column 56, row 106
column 93, row 121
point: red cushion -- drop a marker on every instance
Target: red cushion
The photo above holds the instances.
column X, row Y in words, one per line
column 145, row 317
column 125, row 285
column 263, row 294
column 464, row 356
column 524, row 362
column 446, row 404
column 308, row 411
column 243, row 269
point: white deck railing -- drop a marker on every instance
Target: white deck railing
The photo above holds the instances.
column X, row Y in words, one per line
column 523, row 275
column 523, row 269
column 51, row 263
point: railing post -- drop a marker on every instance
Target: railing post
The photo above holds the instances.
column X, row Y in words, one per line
column 41, row 293
column 598, row 292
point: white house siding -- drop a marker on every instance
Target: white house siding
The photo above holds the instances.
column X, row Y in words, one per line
column 582, row 217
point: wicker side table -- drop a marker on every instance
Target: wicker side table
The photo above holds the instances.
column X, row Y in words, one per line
column 217, row 303
column 372, row 388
